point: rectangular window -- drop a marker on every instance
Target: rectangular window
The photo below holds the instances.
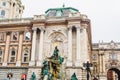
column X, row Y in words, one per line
column 14, row 36
column 13, row 55
column 26, row 53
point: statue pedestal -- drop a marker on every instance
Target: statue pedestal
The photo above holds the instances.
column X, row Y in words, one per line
column 4, row 64
column 69, row 63
column 52, row 67
column 78, row 63
column 32, row 63
column 39, row 63
column 18, row 63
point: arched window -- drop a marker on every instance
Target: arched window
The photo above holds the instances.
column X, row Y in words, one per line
column 3, row 13
column 1, row 55
column 26, row 53
column 27, row 36
column 13, row 55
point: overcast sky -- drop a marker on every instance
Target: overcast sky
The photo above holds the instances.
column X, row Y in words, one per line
column 104, row 15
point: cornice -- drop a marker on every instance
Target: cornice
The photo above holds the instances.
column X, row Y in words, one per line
column 3, row 25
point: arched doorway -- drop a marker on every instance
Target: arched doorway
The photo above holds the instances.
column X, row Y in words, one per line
column 113, row 74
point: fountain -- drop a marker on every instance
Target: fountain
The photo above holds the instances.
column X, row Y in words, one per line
column 53, row 68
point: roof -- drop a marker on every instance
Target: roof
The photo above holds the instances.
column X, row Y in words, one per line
column 60, row 11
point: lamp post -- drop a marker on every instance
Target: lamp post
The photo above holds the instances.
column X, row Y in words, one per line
column 87, row 67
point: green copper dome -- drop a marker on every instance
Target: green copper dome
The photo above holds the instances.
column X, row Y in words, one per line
column 58, row 12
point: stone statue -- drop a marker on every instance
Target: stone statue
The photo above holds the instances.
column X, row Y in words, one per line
column 73, row 77
column 33, row 77
column 55, row 54
column 51, row 67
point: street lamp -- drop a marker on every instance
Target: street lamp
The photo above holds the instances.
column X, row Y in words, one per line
column 87, row 67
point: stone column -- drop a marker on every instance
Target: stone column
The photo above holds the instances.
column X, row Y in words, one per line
column 32, row 62
column 18, row 63
column 69, row 60
column 103, row 63
column 40, row 54
column 100, row 63
column 6, row 56
column 85, row 53
column 78, row 47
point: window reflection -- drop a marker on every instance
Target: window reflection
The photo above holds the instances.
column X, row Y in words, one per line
column 27, row 36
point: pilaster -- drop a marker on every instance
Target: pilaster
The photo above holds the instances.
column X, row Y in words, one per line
column 40, row 54
column 77, row 63
column 18, row 63
column 69, row 60
column 32, row 61
column 6, row 49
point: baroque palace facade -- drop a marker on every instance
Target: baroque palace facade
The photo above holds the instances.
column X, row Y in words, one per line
column 26, row 42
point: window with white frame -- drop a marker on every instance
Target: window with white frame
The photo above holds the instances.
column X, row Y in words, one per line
column 1, row 53
column 15, row 36
column 27, row 36
column 26, row 53
column 13, row 55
